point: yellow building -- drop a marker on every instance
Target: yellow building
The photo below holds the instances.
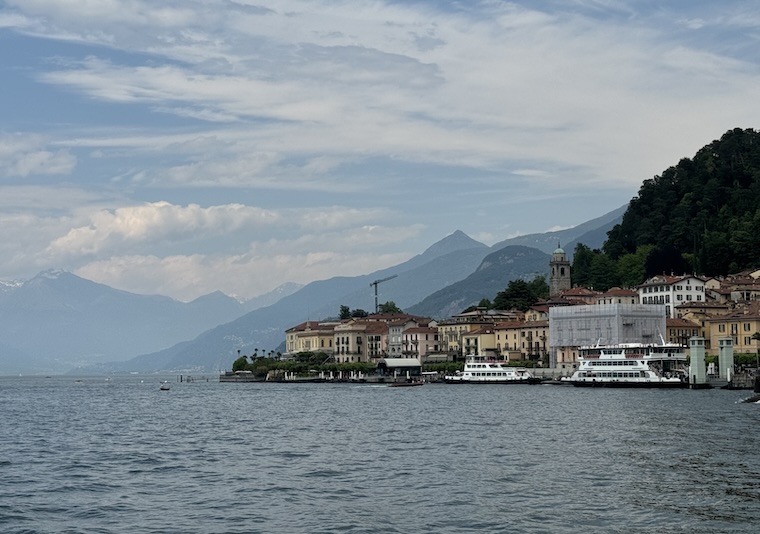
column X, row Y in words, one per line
column 311, row 336
column 681, row 330
column 534, row 340
column 508, row 340
column 360, row 341
column 539, row 312
column 522, row 340
column 479, row 342
column 616, row 295
column 452, row 331
column 739, row 325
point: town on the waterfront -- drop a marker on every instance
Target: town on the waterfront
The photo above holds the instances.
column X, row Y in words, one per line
column 670, row 331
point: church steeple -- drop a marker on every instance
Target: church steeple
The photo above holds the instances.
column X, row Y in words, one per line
column 559, row 278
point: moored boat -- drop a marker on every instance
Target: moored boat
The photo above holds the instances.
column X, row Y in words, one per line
column 631, row 365
column 482, row 370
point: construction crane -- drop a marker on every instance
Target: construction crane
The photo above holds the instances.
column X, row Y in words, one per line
column 379, row 282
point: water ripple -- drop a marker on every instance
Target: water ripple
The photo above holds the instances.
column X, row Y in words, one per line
column 119, row 456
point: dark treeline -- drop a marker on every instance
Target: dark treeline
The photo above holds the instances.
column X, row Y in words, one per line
column 701, row 216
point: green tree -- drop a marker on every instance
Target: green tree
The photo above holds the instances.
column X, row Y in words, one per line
column 345, row 312
column 604, row 273
column 240, row 364
column 518, row 295
column 359, row 313
column 389, row 307
column 539, row 287
column 701, row 214
column 631, row 268
column 583, row 258
column 594, row 269
column 261, row 367
column 665, row 260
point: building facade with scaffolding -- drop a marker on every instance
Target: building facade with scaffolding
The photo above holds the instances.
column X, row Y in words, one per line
column 571, row 327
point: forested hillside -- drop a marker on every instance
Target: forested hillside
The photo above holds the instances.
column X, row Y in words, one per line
column 702, row 215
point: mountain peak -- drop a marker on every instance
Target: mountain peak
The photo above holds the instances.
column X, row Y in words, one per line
column 51, row 274
column 451, row 243
column 10, row 284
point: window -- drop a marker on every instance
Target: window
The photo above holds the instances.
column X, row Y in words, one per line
column 721, row 328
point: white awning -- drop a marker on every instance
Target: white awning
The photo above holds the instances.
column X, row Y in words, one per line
column 400, row 362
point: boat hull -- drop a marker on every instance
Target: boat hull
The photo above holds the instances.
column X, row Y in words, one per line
column 532, row 380
column 623, row 384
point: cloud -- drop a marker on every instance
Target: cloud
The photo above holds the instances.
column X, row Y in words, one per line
column 153, row 247
column 156, row 223
column 248, row 275
column 335, row 79
column 302, row 135
column 188, row 277
column 23, row 155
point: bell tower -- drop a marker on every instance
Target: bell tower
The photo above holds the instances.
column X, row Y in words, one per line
column 559, row 267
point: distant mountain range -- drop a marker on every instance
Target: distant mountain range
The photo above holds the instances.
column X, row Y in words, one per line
column 592, row 233
column 58, row 322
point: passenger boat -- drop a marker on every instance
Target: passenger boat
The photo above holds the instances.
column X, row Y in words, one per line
column 482, row 370
column 631, row 365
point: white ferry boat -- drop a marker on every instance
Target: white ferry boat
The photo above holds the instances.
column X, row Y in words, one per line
column 631, row 365
column 482, row 370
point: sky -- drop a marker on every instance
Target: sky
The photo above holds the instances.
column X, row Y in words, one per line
column 179, row 147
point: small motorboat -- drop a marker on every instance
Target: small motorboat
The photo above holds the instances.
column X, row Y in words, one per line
column 405, row 384
column 165, row 386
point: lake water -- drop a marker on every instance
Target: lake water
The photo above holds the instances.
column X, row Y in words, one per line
column 121, row 456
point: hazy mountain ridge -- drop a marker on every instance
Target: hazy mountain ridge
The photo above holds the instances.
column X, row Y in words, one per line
column 264, row 329
column 269, row 298
column 592, row 233
column 454, row 270
column 57, row 320
column 491, row 276
column 512, row 260
column 71, row 310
